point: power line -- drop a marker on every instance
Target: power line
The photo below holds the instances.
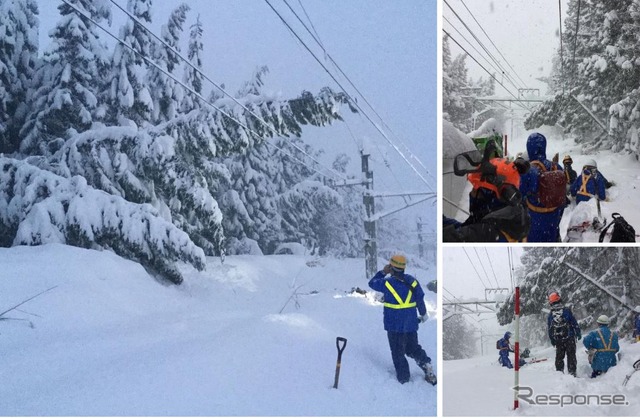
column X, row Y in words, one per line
column 474, row 268
column 518, row 101
column 491, row 265
column 575, row 38
column 475, row 249
column 510, row 257
column 494, row 45
column 327, row 55
column 482, row 45
column 470, row 44
column 150, row 62
column 352, row 101
column 561, row 52
column 178, row 54
column 353, row 85
column 311, row 23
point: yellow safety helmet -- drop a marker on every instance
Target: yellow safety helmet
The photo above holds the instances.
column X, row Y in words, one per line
column 398, row 262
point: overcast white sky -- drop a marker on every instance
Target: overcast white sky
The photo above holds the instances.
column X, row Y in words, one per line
column 525, row 32
column 467, row 271
column 387, row 48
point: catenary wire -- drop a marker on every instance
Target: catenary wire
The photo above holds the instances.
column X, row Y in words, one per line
column 352, row 101
column 492, row 43
column 317, row 40
column 150, row 62
column 235, row 100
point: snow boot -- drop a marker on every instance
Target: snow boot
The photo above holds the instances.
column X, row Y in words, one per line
column 429, row 375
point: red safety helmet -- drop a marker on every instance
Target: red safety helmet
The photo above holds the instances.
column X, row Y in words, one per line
column 554, row 297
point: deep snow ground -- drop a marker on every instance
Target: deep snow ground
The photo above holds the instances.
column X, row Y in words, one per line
column 481, row 387
column 110, row 340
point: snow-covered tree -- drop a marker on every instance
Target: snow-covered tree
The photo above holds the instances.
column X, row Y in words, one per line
column 18, row 56
column 39, row 207
column 129, row 96
column 456, row 108
column 91, row 130
column 600, row 70
column 193, row 76
column 303, row 209
column 593, row 281
column 165, row 92
column 66, row 93
column 458, row 338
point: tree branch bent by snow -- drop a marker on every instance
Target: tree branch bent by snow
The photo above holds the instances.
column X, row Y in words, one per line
column 38, row 207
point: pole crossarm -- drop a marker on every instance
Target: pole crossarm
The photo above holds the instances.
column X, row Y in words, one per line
column 381, row 215
column 396, row 194
column 462, row 308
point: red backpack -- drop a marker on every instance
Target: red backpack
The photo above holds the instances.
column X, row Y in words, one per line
column 551, row 186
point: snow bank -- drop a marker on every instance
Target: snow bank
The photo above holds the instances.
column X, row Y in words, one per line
column 480, row 386
column 254, row 336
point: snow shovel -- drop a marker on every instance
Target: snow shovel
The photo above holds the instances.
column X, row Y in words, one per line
column 599, row 222
column 339, row 361
column 636, row 367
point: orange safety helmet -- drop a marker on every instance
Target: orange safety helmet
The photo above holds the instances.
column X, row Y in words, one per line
column 554, row 297
column 506, row 173
column 398, row 261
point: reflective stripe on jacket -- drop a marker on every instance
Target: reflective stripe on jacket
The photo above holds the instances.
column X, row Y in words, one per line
column 605, row 342
column 401, row 300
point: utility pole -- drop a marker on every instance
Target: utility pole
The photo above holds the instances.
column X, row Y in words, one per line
column 370, row 242
column 420, row 239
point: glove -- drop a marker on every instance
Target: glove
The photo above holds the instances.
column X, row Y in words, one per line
column 579, row 335
column 423, row 318
column 386, row 269
column 553, row 343
column 433, row 286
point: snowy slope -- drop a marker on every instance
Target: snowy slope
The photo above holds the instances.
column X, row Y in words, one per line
column 480, row 386
column 109, row 340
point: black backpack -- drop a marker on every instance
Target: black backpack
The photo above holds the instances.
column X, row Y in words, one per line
column 622, row 231
column 559, row 326
column 498, row 344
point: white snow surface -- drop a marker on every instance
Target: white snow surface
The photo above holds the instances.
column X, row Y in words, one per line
column 254, row 336
column 481, row 387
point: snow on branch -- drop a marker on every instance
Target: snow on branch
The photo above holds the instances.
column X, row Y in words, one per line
column 39, row 207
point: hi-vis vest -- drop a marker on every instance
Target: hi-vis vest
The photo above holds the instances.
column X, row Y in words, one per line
column 583, row 189
column 400, row 304
column 607, row 347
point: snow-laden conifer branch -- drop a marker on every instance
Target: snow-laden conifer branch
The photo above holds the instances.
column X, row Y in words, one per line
column 38, row 207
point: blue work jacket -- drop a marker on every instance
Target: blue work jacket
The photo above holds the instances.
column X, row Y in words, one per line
column 401, row 300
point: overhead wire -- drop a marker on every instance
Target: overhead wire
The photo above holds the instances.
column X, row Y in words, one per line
column 470, row 43
column 492, row 43
column 504, row 72
column 327, row 55
column 474, row 268
column 517, row 99
column 575, row 39
column 178, row 54
column 337, row 66
column 561, row 50
column 475, row 249
column 510, row 259
column 311, row 23
column 352, row 101
column 491, row 265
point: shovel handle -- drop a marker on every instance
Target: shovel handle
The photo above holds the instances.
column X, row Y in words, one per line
column 339, row 361
column 344, row 344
